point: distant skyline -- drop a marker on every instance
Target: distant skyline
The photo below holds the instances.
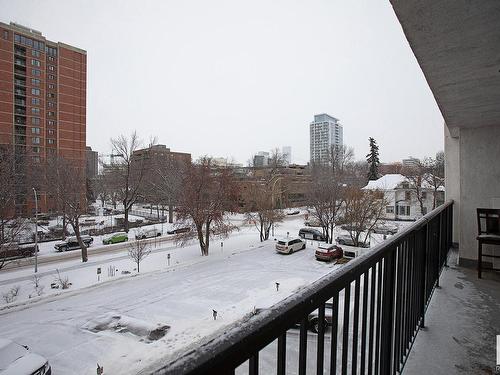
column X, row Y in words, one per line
column 228, row 78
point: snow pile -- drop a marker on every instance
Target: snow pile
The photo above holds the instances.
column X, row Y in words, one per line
column 116, row 322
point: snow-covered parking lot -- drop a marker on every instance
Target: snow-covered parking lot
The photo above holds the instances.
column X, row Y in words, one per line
column 107, row 322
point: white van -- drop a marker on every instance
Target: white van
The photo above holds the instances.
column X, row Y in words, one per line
column 147, row 233
column 289, row 245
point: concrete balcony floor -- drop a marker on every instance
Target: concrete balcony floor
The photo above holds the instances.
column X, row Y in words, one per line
column 462, row 322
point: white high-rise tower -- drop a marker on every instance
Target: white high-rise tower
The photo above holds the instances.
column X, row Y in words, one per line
column 325, row 131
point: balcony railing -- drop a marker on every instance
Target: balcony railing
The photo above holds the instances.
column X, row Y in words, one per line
column 378, row 305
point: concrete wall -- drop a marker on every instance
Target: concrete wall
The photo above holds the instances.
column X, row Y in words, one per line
column 452, row 176
column 478, row 151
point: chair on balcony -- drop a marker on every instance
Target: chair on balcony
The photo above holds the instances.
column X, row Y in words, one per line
column 488, row 224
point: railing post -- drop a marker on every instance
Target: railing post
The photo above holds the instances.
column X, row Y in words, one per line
column 424, row 275
column 386, row 340
column 440, row 244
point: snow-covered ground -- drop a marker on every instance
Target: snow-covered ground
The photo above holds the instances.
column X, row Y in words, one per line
column 107, row 321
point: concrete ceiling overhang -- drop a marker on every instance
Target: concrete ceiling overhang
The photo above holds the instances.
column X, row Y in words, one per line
column 457, row 44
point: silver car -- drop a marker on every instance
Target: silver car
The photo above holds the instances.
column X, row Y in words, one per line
column 17, row 359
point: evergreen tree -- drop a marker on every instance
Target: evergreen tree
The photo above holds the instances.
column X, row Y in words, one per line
column 373, row 160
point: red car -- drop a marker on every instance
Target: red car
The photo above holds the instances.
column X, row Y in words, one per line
column 328, row 252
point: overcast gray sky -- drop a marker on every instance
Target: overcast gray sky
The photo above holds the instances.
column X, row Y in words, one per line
column 230, row 78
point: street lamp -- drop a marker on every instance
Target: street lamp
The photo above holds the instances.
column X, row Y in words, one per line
column 36, row 231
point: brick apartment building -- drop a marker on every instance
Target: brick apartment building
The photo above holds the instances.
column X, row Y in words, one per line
column 163, row 152
column 42, row 101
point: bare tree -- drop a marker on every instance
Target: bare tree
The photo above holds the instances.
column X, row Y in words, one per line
column 208, row 194
column 12, row 181
column 138, row 251
column 66, row 183
column 130, row 171
column 361, row 212
column 264, row 193
column 434, row 175
column 327, row 191
column 415, row 174
column 165, row 182
column 260, row 208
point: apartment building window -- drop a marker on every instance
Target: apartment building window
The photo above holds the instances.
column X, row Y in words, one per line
column 35, row 53
column 35, row 101
column 51, row 51
column 35, row 111
column 35, row 121
column 52, row 151
column 36, row 159
column 51, row 113
column 51, row 141
column 6, row 35
column 51, row 86
column 51, row 95
column 404, row 210
column 51, row 76
column 35, row 62
column 36, row 149
column 51, row 132
column 51, row 104
column 35, row 91
column 35, row 72
column 407, row 195
column 389, row 209
column 35, row 130
column 36, row 140
column 51, row 58
column 35, row 81
column 52, row 68
column 51, row 122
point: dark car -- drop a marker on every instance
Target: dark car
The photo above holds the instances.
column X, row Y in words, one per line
column 328, row 252
column 179, row 230
column 311, row 234
column 293, row 212
column 12, row 250
column 313, row 318
column 71, row 243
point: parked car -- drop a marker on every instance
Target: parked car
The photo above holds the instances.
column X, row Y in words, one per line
column 328, row 252
column 147, row 233
column 18, row 359
column 179, row 230
column 12, row 250
column 290, row 245
column 71, row 243
column 353, row 228
column 312, row 223
column 347, row 240
column 311, row 234
column 353, row 253
column 107, row 211
column 385, row 229
column 313, row 318
column 115, row 238
column 293, row 212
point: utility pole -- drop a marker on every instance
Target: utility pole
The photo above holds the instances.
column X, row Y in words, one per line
column 36, row 231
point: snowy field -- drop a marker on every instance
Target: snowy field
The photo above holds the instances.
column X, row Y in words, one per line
column 108, row 321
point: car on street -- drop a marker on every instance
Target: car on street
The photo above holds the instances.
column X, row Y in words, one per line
column 115, row 238
column 147, row 233
column 328, row 252
column 12, row 250
column 71, row 243
column 385, row 229
column 311, row 234
column 290, row 245
column 179, row 230
column 17, row 359
column 347, row 240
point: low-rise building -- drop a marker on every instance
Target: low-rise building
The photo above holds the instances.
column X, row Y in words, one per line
column 401, row 197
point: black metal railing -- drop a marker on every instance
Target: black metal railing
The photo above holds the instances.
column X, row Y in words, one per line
column 378, row 303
